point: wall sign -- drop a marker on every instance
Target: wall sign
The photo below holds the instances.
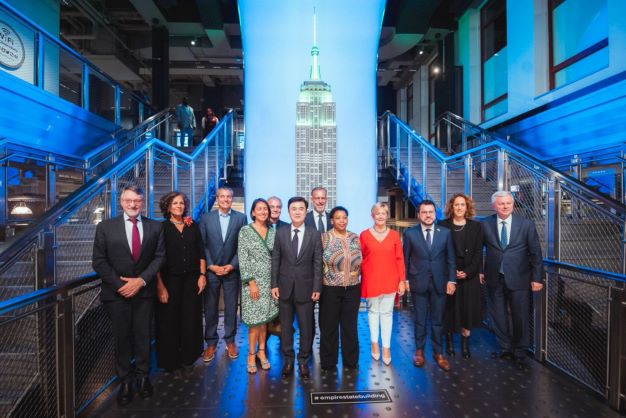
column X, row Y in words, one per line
column 12, row 51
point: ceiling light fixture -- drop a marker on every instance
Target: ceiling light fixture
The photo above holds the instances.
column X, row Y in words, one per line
column 421, row 51
column 21, row 209
column 193, row 42
column 435, row 70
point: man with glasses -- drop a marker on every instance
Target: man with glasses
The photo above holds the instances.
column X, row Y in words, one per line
column 128, row 252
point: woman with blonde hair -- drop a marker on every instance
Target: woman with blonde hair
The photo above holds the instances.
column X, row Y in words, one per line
column 382, row 276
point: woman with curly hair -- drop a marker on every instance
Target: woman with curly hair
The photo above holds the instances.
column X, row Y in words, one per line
column 179, row 286
column 463, row 309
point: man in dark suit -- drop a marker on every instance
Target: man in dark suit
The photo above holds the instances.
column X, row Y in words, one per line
column 220, row 233
column 128, row 252
column 431, row 272
column 513, row 267
column 319, row 218
column 276, row 208
column 296, row 283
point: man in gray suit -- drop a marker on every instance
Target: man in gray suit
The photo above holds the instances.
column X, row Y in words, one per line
column 220, row 234
column 513, row 267
column 296, row 283
column 431, row 272
column 128, row 251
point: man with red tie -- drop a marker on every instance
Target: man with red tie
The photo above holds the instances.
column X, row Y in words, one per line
column 128, row 252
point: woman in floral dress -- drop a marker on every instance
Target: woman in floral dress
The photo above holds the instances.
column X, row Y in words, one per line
column 255, row 264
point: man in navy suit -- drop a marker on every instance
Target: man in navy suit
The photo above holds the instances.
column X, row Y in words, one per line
column 431, row 272
column 513, row 267
column 319, row 218
column 220, row 234
column 128, row 251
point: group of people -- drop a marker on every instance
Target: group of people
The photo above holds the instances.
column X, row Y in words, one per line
column 186, row 120
column 278, row 270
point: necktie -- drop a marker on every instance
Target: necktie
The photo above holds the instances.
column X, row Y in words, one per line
column 428, row 239
column 504, row 239
column 135, row 240
column 294, row 242
column 320, row 224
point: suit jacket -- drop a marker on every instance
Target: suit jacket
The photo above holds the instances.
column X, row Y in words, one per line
column 522, row 260
column 281, row 223
column 421, row 264
column 217, row 250
column 302, row 275
column 112, row 257
column 472, row 246
column 311, row 222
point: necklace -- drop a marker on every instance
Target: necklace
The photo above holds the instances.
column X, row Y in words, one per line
column 380, row 232
column 456, row 226
column 177, row 222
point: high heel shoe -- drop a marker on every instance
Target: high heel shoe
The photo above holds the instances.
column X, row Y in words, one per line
column 265, row 364
column 251, row 366
column 449, row 342
column 386, row 358
column 465, row 350
column 375, row 355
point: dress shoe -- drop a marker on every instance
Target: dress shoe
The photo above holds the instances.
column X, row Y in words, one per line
column 418, row 358
column 287, row 370
column 386, row 356
column 465, row 347
column 125, row 394
column 304, row 371
column 209, row 353
column 442, row 362
column 520, row 363
column 233, row 351
column 144, row 387
column 449, row 343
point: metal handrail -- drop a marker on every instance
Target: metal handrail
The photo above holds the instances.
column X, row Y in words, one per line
column 603, row 274
column 514, row 150
column 12, row 248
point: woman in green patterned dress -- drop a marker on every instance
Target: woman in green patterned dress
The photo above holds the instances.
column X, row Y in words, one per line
column 256, row 241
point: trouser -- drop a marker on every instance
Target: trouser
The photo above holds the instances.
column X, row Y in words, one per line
column 380, row 315
column 211, row 304
column 500, row 298
column 131, row 323
column 339, row 309
column 303, row 310
column 424, row 303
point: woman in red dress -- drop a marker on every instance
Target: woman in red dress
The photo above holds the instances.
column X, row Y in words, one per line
column 382, row 276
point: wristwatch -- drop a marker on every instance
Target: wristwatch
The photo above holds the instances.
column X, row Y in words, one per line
column 202, row 274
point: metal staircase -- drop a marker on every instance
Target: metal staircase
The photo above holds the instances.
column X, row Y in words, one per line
column 579, row 321
column 52, row 253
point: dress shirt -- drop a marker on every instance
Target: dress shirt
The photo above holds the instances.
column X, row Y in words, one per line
column 507, row 223
column 300, row 235
column 432, row 232
column 224, row 221
column 316, row 219
column 128, row 226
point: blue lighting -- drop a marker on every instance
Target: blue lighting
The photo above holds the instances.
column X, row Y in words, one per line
column 277, row 40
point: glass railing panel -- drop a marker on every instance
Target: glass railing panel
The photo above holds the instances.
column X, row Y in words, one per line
column 67, row 179
column 129, row 110
column 69, row 84
column 101, row 96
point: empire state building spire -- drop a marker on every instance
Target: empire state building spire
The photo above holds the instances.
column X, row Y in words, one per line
column 315, row 68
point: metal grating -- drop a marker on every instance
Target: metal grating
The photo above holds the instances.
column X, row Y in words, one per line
column 578, row 327
column 18, row 277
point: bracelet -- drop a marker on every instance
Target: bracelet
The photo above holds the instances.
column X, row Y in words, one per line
column 202, row 274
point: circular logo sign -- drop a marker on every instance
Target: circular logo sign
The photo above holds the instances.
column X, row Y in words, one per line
column 12, row 51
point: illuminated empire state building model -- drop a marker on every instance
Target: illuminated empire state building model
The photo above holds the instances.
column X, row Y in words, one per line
column 316, row 134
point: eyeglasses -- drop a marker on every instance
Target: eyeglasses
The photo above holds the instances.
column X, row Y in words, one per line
column 134, row 201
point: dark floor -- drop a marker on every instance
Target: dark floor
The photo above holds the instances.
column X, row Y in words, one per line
column 479, row 387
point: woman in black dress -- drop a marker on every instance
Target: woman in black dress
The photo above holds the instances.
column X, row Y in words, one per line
column 463, row 309
column 179, row 286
